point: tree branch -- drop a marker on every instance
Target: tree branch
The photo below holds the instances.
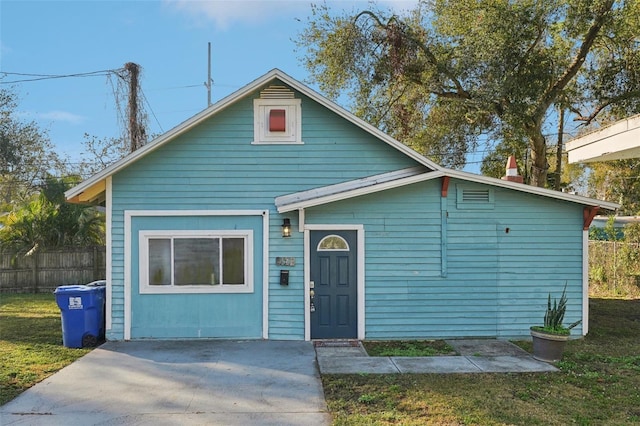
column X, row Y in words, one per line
column 587, row 119
column 461, row 92
column 589, row 38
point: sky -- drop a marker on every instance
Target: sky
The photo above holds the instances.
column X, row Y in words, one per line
column 168, row 39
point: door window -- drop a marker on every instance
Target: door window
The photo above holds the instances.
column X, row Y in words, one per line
column 333, row 243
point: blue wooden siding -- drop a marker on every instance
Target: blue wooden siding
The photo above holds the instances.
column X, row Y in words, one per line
column 211, row 315
column 496, row 283
column 215, row 167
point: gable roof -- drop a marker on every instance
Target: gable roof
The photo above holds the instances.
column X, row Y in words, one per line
column 350, row 189
column 355, row 188
column 94, row 187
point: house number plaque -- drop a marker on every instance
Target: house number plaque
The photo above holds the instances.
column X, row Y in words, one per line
column 286, row 261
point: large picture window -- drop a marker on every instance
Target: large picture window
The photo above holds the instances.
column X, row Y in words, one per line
column 195, row 261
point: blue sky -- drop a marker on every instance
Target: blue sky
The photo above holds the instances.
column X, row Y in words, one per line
column 168, row 39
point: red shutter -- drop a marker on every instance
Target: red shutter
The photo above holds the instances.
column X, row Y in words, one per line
column 277, row 120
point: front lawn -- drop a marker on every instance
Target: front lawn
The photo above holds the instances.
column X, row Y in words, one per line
column 599, row 384
column 30, row 342
column 408, row 348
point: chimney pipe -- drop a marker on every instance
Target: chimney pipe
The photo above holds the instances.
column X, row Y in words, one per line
column 512, row 171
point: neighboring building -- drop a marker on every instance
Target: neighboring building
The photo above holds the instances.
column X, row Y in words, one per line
column 598, row 229
column 381, row 243
column 619, row 141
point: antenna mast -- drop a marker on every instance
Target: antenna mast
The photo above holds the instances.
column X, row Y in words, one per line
column 208, row 82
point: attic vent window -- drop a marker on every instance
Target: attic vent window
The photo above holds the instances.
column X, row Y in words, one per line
column 277, row 120
column 276, row 92
column 474, row 197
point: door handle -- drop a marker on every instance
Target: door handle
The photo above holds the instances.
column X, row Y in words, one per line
column 312, row 294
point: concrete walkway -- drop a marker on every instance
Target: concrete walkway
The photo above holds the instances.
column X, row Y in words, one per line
column 218, row 382
column 476, row 356
column 179, row 383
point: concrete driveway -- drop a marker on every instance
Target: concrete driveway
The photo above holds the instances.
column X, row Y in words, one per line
column 179, row 382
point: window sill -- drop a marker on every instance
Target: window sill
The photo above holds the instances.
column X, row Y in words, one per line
column 196, row 289
column 277, row 143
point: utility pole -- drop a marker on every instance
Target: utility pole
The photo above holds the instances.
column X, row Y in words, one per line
column 137, row 134
column 558, row 180
column 208, row 82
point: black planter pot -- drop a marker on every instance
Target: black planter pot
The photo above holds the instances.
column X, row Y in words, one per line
column 548, row 347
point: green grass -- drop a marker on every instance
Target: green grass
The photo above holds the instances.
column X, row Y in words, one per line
column 598, row 384
column 599, row 381
column 30, row 342
column 408, row 348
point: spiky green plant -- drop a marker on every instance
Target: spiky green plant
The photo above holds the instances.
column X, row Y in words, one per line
column 555, row 314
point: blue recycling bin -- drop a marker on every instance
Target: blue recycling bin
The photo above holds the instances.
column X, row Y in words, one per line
column 82, row 313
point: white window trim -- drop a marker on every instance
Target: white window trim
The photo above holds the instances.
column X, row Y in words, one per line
column 261, row 133
column 143, row 253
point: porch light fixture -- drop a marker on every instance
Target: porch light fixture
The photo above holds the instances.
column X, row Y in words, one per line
column 286, row 228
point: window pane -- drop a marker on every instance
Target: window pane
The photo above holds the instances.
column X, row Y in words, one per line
column 233, row 260
column 159, row 261
column 196, row 261
column 333, row 242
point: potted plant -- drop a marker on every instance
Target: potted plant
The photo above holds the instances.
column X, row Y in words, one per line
column 550, row 339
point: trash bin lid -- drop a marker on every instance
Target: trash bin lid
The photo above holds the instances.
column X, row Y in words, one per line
column 71, row 288
column 98, row 283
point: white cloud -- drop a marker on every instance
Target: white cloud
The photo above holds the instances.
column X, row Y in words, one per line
column 4, row 49
column 53, row 116
column 224, row 13
column 399, row 6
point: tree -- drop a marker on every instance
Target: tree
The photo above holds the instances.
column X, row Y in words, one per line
column 100, row 153
column 619, row 181
column 451, row 74
column 48, row 221
column 26, row 154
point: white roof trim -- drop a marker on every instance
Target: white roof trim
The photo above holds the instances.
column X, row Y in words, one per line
column 225, row 102
column 531, row 189
column 354, row 188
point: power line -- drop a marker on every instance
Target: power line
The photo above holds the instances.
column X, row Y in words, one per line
column 151, row 109
column 39, row 77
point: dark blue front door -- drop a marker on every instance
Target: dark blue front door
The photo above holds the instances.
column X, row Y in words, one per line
column 334, row 306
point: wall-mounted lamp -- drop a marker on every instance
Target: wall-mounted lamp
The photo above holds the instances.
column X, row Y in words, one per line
column 286, row 228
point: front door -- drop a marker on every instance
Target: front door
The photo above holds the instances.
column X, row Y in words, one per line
column 333, row 273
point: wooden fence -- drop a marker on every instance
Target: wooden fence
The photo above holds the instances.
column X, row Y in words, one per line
column 44, row 271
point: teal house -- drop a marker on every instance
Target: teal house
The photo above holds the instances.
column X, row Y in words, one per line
column 277, row 214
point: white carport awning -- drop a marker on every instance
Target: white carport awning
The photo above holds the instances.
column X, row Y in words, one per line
column 619, row 141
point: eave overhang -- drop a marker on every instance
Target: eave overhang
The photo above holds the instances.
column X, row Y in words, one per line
column 354, row 188
column 359, row 187
column 618, row 141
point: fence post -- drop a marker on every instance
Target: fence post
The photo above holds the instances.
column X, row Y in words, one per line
column 35, row 271
column 95, row 264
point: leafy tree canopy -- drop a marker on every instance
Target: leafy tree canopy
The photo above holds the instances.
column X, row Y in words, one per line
column 26, row 155
column 618, row 181
column 48, row 221
column 451, row 74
